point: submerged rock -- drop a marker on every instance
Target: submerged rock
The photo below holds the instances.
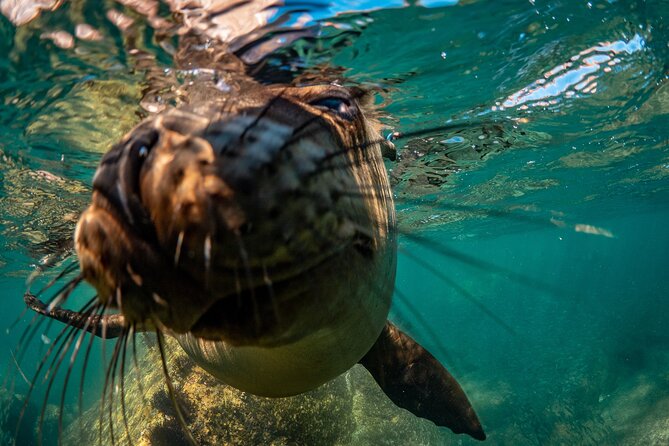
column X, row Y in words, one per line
column 348, row 410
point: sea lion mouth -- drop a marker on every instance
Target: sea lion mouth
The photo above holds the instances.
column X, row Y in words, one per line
column 248, row 313
column 259, row 307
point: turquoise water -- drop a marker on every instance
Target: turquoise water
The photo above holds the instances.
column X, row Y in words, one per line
column 536, row 272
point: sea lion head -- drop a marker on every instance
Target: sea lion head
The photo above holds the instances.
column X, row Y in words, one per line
column 262, row 220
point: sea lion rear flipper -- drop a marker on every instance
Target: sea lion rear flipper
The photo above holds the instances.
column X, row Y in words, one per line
column 414, row 380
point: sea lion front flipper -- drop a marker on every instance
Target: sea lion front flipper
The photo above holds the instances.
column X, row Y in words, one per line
column 414, row 380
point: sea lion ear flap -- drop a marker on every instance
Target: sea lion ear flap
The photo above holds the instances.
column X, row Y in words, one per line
column 414, row 380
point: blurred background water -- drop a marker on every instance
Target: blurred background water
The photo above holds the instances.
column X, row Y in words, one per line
column 534, row 253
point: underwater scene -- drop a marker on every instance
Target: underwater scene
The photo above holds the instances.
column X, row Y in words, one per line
column 526, row 145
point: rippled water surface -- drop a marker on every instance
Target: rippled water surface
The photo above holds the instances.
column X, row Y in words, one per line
column 534, row 213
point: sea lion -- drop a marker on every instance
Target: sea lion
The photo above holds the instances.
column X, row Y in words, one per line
column 261, row 234
column 255, row 224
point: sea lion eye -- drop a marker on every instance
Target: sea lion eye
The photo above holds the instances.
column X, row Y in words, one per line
column 339, row 105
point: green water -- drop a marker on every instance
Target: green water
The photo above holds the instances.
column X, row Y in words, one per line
column 538, row 274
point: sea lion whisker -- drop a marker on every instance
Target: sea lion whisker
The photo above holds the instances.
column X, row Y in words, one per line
column 509, row 214
column 460, row 289
column 207, row 260
column 249, row 278
column 177, row 251
column 441, row 249
column 272, row 296
column 17, row 320
column 45, row 264
column 353, row 148
column 95, row 322
column 63, row 293
column 138, row 378
column 58, row 357
column 432, row 335
column 321, row 167
column 119, row 298
column 73, row 357
column 28, row 333
column 238, row 287
column 10, row 379
column 9, row 382
column 18, row 367
column 57, row 360
column 122, row 379
column 66, row 271
column 170, row 388
column 459, row 125
column 104, row 387
column 40, row 307
column 85, row 310
column 110, row 378
column 344, row 151
column 34, row 380
column 260, row 115
column 340, row 193
column 296, row 132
